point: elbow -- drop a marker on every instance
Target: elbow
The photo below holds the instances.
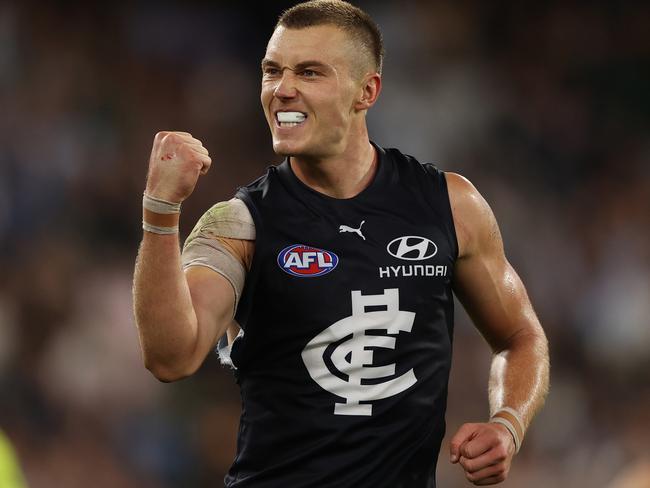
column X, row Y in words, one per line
column 523, row 339
column 166, row 373
column 538, row 341
column 166, row 376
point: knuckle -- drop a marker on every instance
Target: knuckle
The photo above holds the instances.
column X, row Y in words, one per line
column 493, row 432
column 186, row 149
column 501, row 452
column 463, row 462
column 168, row 138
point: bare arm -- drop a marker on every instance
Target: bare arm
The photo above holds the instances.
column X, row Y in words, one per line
column 498, row 304
column 179, row 317
column 496, row 300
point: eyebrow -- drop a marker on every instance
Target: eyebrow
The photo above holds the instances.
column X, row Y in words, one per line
column 299, row 66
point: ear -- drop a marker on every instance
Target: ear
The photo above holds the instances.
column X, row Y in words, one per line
column 369, row 91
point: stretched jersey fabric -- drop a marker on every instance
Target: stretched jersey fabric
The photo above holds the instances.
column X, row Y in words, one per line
column 347, row 317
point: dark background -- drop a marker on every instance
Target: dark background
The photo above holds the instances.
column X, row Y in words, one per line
column 545, row 106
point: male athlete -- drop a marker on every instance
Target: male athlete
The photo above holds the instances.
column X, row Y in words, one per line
column 327, row 283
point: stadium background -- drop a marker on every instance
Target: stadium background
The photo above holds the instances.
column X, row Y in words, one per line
column 543, row 105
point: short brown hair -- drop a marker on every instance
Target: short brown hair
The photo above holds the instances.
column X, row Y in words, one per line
column 339, row 13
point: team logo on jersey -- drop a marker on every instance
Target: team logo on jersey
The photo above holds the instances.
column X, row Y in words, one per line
column 306, row 261
column 353, row 357
column 412, row 248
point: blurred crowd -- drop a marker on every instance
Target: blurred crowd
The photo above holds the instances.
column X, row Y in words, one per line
column 544, row 106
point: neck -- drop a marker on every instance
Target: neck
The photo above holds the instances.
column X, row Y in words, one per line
column 343, row 175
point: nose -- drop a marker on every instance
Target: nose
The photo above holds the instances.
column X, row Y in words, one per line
column 286, row 87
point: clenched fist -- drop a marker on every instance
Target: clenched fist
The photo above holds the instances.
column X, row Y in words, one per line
column 177, row 160
column 484, row 451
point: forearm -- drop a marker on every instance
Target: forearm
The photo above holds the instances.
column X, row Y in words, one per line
column 164, row 314
column 519, row 376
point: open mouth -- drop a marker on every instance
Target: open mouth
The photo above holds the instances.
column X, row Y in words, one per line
column 290, row 119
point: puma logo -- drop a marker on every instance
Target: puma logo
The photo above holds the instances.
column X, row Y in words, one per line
column 345, row 228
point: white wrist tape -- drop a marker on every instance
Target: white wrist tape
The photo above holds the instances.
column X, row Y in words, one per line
column 514, row 413
column 156, row 229
column 511, row 428
column 159, row 206
column 508, row 425
column 163, row 207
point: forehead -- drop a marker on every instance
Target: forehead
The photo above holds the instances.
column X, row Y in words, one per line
column 325, row 43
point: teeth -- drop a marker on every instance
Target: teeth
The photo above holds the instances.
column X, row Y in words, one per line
column 296, row 117
column 289, row 124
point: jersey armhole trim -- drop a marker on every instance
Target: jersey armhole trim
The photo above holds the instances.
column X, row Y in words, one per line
column 452, row 226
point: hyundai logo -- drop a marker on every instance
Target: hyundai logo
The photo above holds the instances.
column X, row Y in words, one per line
column 412, row 248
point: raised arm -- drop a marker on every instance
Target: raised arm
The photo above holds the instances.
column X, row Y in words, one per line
column 179, row 316
column 496, row 300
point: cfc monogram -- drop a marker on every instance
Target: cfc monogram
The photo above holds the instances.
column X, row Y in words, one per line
column 354, row 359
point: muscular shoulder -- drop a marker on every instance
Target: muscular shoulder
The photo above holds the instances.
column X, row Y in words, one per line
column 474, row 221
column 230, row 219
column 227, row 223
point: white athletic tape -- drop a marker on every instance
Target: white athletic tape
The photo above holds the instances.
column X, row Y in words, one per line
column 230, row 219
column 508, row 425
column 158, row 229
column 515, row 414
column 211, row 253
column 159, row 206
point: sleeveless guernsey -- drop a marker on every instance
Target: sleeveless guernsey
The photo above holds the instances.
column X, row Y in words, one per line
column 346, row 322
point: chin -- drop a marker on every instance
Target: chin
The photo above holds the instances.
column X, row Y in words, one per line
column 285, row 148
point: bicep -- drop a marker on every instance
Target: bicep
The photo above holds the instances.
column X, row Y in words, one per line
column 485, row 282
column 216, row 257
column 213, row 300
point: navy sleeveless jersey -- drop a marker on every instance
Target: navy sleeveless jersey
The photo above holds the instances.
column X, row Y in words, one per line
column 347, row 320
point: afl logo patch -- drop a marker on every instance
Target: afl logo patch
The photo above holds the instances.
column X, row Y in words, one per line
column 412, row 248
column 306, row 261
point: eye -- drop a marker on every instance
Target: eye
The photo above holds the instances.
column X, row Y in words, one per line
column 309, row 73
column 270, row 71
